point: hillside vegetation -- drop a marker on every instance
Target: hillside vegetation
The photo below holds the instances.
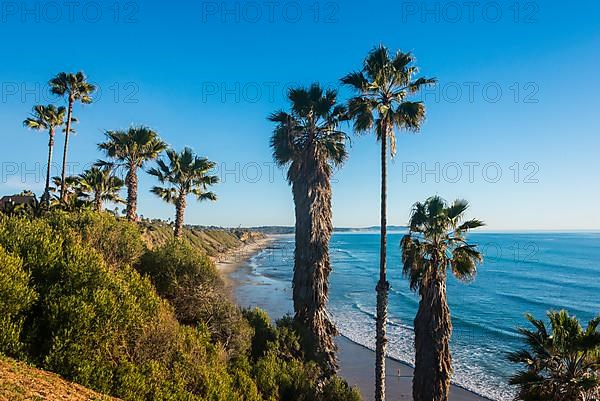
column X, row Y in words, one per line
column 213, row 242
column 83, row 296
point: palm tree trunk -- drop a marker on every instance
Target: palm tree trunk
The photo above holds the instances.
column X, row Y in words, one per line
column 98, row 202
column 312, row 195
column 46, row 198
column 63, row 184
column 132, row 186
column 179, row 214
column 383, row 285
column 301, row 279
column 320, row 323
column 433, row 329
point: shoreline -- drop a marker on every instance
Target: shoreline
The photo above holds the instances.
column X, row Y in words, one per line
column 396, row 384
column 231, row 261
column 356, row 361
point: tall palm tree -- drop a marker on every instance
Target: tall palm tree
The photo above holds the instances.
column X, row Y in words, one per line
column 383, row 85
column 186, row 174
column 562, row 362
column 74, row 87
column 436, row 242
column 101, row 186
column 308, row 141
column 48, row 118
column 131, row 149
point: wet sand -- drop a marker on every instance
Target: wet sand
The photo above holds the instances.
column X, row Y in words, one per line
column 357, row 363
column 233, row 260
column 357, row 366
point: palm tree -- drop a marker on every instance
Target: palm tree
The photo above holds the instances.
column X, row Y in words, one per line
column 562, row 362
column 100, row 185
column 308, row 141
column 436, row 242
column 73, row 87
column 383, row 85
column 186, row 174
column 131, row 149
column 48, row 118
column 72, row 193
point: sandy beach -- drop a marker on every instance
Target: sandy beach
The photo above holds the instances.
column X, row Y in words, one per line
column 356, row 361
column 357, row 367
column 233, row 260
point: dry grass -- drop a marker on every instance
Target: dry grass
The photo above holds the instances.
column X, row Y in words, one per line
column 214, row 243
column 20, row 382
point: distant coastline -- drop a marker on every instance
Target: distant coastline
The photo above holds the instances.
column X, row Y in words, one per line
column 274, row 230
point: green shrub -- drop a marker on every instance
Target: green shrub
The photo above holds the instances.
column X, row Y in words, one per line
column 189, row 280
column 265, row 334
column 177, row 264
column 16, row 297
column 97, row 321
column 118, row 241
column 101, row 327
column 337, row 389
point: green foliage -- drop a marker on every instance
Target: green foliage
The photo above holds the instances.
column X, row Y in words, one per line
column 104, row 328
column 189, row 280
column 436, row 241
column 177, row 264
column 280, row 368
column 118, row 241
column 186, row 173
column 265, row 334
column 65, row 308
column 383, row 87
column 337, row 389
column 309, row 135
column 561, row 362
column 15, row 298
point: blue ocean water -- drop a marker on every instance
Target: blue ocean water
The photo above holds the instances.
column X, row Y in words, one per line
column 522, row 272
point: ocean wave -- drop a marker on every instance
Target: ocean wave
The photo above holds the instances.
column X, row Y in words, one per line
column 483, row 333
column 544, row 304
column 400, row 347
column 345, row 252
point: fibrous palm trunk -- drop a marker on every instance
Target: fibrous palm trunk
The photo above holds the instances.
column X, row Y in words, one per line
column 132, row 185
column 63, row 184
column 312, row 267
column 179, row 214
column 98, row 202
column 433, row 329
column 382, row 285
column 46, row 198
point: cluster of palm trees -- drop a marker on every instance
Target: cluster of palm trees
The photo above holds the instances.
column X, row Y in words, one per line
column 309, row 141
column 130, row 150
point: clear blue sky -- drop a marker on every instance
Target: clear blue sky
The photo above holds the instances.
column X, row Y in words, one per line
column 207, row 74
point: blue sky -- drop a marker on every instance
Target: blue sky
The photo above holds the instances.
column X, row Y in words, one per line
column 512, row 127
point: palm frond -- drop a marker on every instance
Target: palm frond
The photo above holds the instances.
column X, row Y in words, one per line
column 309, row 133
column 184, row 173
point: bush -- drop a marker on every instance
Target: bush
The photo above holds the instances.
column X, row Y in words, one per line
column 176, row 264
column 16, row 297
column 118, row 241
column 189, row 280
column 104, row 328
column 280, row 368
column 265, row 335
column 337, row 389
column 97, row 321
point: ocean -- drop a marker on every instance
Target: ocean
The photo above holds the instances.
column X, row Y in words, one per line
column 522, row 273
